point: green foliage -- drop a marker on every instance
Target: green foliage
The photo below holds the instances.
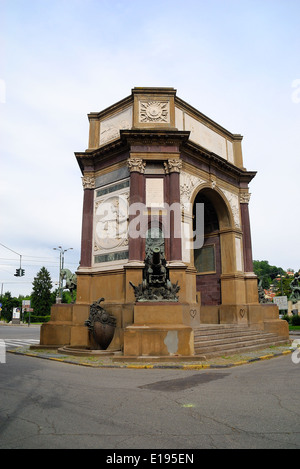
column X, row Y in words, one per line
column 8, row 303
column 295, row 320
column 41, row 298
column 34, row 318
column 266, row 272
column 283, row 286
column 67, row 297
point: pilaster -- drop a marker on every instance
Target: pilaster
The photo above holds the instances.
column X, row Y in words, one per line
column 88, row 182
column 137, row 196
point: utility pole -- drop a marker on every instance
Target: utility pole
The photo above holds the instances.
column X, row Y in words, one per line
column 61, row 266
column 19, row 272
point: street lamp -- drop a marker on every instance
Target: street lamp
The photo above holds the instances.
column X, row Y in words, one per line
column 61, row 266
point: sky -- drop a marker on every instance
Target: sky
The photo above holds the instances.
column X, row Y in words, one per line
column 236, row 61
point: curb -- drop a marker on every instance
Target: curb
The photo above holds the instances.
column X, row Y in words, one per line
column 182, row 366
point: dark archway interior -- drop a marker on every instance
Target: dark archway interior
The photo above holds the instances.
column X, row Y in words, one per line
column 207, row 260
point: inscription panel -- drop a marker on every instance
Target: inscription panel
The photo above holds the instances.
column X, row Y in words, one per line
column 205, row 259
column 154, row 192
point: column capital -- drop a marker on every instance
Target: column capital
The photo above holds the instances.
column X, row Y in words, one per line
column 245, row 197
column 136, row 164
column 173, row 166
column 88, row 182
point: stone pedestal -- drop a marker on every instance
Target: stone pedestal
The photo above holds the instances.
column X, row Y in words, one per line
column 66, row 326
column 159, row 329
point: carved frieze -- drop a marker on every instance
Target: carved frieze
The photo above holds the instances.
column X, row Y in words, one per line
column 111, row 223
column 233, row 200
column 110, row 128
column 154, row 112
column 188, row 183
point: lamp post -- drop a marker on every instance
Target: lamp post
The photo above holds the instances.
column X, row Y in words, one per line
column 61, row 266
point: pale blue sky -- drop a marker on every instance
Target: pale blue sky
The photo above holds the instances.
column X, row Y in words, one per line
column 234, row 60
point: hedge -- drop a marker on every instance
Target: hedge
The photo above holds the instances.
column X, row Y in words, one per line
column 34, row 318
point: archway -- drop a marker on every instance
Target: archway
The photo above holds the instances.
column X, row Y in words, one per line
column 208, row 259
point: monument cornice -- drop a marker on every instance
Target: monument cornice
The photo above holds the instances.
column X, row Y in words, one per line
column 111, row 110
column 88, row 160
column 154, row 136
column 211, row 159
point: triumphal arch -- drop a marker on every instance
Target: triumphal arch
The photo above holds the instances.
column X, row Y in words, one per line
column 166, row 237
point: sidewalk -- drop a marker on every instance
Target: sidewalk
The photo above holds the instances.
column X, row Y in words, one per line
column 156, row 362
column 2, row 323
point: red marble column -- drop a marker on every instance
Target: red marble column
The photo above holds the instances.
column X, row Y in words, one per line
column 87, row 228
column 247, row 245
column 175, row 212
column 137, row 196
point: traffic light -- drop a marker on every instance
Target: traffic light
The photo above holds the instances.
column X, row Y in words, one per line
column 19, row 272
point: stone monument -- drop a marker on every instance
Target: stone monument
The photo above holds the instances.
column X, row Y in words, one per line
column 166, row 233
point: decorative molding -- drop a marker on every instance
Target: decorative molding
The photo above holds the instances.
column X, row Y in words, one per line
column 173, row 166
column 188, row 183
column 233, row 200
column 136, row 164
column 213, row 181
column 154, row 112
column 88, row 182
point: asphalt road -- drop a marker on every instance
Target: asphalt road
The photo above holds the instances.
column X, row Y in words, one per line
column 46, row 404
column 20, row 331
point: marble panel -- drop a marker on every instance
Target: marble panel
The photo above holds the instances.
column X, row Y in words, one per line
column 110, row 128
column 206, row 137
column 154, row 192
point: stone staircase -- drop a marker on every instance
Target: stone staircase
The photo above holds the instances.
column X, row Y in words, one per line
column 226, row 339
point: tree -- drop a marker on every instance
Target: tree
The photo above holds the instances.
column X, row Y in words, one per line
column 283, row 286
column 41, row 300
column 266, row 272
column 8, row 303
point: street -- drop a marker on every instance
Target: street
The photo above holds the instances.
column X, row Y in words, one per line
column 46, row 404
column 18, row 335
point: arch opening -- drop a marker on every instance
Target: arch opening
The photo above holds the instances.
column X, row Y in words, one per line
column 207, row 259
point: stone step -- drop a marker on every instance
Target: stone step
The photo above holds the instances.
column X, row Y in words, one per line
column 222, row 346
column 226, row 334
column 235, row 339
column 236, row 350
column 226, row 339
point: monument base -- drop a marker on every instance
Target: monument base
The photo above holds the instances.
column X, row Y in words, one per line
column 159, row 340
column 159, row 329
column 146, row 329
column 66, row 326
column 260, row 316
